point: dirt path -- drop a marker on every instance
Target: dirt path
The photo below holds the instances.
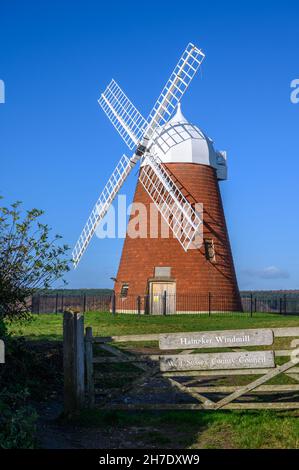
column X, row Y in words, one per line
column 54, row 434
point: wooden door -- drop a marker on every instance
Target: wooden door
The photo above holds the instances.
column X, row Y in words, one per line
column 157, row 290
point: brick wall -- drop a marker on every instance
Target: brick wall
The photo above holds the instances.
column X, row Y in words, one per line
column 191, row 270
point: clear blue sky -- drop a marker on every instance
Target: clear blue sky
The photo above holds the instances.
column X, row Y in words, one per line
column 57, row 148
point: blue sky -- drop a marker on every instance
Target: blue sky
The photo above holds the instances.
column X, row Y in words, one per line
column 57, row 148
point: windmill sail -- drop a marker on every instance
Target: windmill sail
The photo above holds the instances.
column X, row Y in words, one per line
column 138, row 132
column 102, row 205
column 180, row 216
column 175, row 87
column 126, row 119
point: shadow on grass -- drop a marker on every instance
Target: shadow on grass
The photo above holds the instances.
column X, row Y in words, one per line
column 200, row 429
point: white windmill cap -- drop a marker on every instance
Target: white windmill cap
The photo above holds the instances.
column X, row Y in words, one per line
column 179, row 141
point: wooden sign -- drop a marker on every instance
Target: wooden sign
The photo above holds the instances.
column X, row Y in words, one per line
column 216, row 339
column 215, row 361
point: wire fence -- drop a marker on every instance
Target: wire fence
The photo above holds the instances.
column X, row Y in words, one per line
column 167, row 304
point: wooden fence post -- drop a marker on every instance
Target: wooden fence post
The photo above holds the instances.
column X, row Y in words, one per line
column 56, row 304
column 73, row 361
column 79, row 351
column 68, row 363
column 89, row 368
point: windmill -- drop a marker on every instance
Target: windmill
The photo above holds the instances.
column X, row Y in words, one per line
column 151, row 139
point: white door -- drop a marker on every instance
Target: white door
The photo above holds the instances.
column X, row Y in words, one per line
column 157, row 292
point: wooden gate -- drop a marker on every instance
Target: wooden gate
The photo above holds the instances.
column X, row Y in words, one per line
column 200, row 369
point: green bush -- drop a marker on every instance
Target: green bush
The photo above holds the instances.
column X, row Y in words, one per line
column 25, row 377
column 3, row 331
column 17, row 420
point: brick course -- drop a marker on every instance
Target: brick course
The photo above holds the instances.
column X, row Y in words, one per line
column 193, row 273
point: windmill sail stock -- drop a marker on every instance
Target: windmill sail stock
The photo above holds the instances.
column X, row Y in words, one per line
column 138, row 132
column 175, row 88
column 102, row 205
column 126, row 119
column 178, row 213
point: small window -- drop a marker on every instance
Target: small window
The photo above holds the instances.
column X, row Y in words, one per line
column 209, row 250
column 124, row 290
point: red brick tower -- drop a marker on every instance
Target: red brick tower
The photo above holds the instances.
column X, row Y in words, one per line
column 199, row 279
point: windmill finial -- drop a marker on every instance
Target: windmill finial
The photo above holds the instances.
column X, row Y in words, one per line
column 178, row 116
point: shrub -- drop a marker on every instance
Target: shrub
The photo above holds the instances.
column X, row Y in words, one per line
column 30, row 259
column 17, row 420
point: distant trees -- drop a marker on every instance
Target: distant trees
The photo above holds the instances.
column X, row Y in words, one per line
column 30, row 259
column 87, row 292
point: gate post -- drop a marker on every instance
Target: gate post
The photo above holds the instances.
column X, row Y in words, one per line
column 73, row 361
column 89, row 368
column 139, row 304
column 79, row 350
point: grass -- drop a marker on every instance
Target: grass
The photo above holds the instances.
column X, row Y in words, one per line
column 49, row 326
column 180, row 429
column 204, row 429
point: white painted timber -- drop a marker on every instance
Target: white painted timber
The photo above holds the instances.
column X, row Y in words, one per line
column 217, row 339
column 218, row 361
column 124, row 116
column 184, row 221
column 137, row 132
column 102, row 205
column 278, row 333
column 175, row 88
